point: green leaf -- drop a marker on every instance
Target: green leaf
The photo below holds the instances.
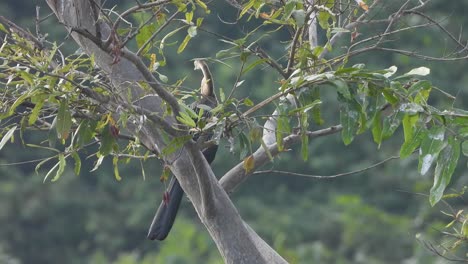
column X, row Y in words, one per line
column 184, row 44
column 144, row 34
column 289, row 7
column 349, row 118
column 86, row 132
column 323, row 19
column 64, row 121
column 246, row 8
column 282, row 125
column 463, row 131
column 203, row 5
column 175, row 144
column 222, row 96
column 431, row 145
column 115, row 163
column 248, row 102
column 377, row 128
column 77, row 160
column 184, row 118
column 35, row 112
column 188, row 17
column 2, row 28
column 18, row 102
column 420, row 85
column 27, row 77
column 409, row 123
column 253, row 65
column 61, row 168
column 342, row 88
column 52, row 135
column 9, row 134
column 107, row 141
column 200, row 21
column 304, row 146
column 390, row 97
column 306, row 108
column 391, row 123
column 170, row 34
column 245, row 145
column 410, row 145
column 446, row 164
column 255, row 133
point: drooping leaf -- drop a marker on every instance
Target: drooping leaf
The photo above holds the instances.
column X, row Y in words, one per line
column 9, row 134
column 35, row 112
column 349, row 118
column 61, row 168
column 446, row 164
column 253, row 65
column 115, row 163
column 342, row 88
column 377, row 128
column 86, row 132
column 391, row 123
column 431, row 145
column 255, row 133
column 98, row 163
column 409, row 146
column 304, row 146
column 184, row 43
column 409, row 123
column 108, row 141
column 64, row 120
column 249, row 164
column 245, row 145
column 77, row 160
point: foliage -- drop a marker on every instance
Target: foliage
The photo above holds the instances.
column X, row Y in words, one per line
column 43, row 92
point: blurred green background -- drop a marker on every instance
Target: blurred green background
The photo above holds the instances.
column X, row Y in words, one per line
column 372, row 217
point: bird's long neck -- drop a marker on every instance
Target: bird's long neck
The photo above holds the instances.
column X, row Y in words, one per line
column 207, row 86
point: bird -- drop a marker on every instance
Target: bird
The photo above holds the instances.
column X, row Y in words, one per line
column 167, row 211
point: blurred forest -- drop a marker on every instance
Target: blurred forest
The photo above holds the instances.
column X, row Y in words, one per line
column 378, row 216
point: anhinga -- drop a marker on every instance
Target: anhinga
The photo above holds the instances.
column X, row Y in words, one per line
column 167, row 211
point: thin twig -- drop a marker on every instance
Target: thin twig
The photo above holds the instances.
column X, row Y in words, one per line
column 329, row 176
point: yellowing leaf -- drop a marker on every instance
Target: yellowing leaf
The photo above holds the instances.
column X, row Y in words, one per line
column 249, row 164
column 264, row 15
column 362, row 5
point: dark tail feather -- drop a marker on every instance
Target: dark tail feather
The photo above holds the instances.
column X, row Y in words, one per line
column 167, row 211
